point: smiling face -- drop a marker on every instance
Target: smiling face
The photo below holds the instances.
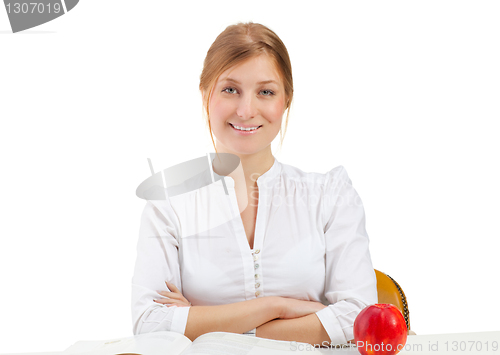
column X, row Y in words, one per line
column 250, row 94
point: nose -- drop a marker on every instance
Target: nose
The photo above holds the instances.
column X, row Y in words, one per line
column 247, row 107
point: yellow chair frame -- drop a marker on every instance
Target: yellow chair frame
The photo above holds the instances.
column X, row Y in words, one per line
column 390, row 292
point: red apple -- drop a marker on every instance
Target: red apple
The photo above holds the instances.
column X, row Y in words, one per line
column 380, row 329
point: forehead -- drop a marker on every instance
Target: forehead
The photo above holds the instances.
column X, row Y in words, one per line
column 261, row 69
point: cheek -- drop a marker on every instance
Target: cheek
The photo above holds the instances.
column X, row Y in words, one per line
column 219, row 109
column 276, row 110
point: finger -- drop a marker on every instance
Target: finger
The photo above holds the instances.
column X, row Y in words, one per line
column 170, row 294
column 178, row 305
column 178, row 302
column 171, row 302
column 172, row 287
column 163, row 300
column 174, row 296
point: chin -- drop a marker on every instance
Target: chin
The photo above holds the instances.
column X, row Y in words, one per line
column 244, row 150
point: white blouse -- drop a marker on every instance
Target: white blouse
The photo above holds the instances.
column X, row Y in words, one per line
column 310, row 243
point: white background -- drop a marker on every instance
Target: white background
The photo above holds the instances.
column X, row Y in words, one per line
column 404, row 94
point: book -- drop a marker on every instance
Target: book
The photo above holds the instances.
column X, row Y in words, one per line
column 222, row 343
column 172, row 343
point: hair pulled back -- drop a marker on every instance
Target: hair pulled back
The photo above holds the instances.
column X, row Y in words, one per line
column 236, row 44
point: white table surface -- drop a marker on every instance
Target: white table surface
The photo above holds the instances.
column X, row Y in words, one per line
column 420, row 344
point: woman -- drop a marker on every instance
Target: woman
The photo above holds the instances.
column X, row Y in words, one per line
column 295, row 264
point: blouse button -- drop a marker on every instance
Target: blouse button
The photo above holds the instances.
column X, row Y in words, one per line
column 257, row 294
column 255, row 257
column 256, row 266
column 257, row 285
column 257, row 251
column 256, row 276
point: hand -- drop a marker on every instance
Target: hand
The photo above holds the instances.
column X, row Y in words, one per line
column 174, row 298
column 293, row 308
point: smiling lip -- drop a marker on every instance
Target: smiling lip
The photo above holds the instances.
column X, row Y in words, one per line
column 244, row 126
column 245, row 133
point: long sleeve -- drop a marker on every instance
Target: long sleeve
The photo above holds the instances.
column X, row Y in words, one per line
column 350, row 283
column 157, row 261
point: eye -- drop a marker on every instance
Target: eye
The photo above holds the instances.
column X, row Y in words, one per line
column 269, row 92
column 229, row 88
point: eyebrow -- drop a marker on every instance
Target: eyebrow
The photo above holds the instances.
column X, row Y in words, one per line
column 260, row 82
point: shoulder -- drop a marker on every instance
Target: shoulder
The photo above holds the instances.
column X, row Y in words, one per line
column 337, row 175
column 331, row 177
column 160, row 209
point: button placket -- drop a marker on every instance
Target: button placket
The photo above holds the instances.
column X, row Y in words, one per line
column 256, row 268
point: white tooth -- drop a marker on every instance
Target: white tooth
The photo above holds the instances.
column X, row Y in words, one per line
column 245, row 129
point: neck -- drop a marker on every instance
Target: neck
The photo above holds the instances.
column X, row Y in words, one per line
column 251, row 167
column 254, row 166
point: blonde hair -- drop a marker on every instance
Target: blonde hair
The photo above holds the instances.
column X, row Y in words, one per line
column 236, row 44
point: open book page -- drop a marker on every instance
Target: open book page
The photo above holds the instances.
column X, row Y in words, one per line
column 221, row 343
column 156, row 343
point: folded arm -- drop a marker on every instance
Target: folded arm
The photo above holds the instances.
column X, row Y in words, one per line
column 237, row 317
column 307, row 329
